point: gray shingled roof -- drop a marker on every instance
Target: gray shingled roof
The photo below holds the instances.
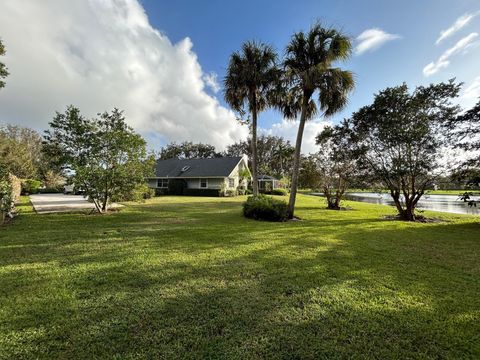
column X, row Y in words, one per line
column 197, row 167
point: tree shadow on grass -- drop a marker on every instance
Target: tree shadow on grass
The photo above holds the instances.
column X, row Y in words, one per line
column 232, row 288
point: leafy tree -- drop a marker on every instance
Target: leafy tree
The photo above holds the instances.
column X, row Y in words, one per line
column 465, row 132
column 108, row 159
column 21, row 151
column 15, row 157
column 6, row 196
column 3, row 68
column 309, row 66
column 274, row 154
column 188, row 150
column 309, row 176
column 252, row 77
column 401, row 140
column 336, row 162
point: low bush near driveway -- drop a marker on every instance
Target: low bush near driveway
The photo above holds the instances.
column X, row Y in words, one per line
column 265, row 208
column 279, row 191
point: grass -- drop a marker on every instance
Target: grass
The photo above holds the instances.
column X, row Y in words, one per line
column 182, row 277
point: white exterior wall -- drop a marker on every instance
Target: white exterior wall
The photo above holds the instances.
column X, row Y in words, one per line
column 212, row 183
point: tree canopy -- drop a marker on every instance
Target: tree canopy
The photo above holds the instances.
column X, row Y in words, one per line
column 250, row 84
column 336, row 162
column 188, row 150
column 275, row 154
column 107, row 158
column 310, row 70
column 399, row 136
column 3, row 68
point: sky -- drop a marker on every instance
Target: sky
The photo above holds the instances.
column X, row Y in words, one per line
column 163, row 62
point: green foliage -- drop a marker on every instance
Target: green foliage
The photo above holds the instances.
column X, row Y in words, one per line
column 161, row 192
column 464, row 132
column 108, row 159
column 196, row 268
column 279, row 191
column 176, row 187
column 3, row 69
column 51, row 190
column 6, row 198
column 265, row 208
column 399, row 139
column 30, row 186
column 336, row 162
column 230, row 193
column 250, row 84
column 20, row 151
column 275, row 154
column 310, row 69
column 202, row 192
column 140, row 193
column 188, row 150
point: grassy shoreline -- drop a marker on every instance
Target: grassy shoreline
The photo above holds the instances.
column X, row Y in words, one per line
column 182, row 277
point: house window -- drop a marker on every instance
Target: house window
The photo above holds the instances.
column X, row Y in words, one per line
column 203, row 183
column 162, row 183
column 231, row 182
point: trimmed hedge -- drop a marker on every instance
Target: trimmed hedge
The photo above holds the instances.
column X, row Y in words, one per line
column 279, row 191
column 161, row 191
column 30, row 186
column 51, row 190
column 265, row 208
column 176, row 187
column 202, row 192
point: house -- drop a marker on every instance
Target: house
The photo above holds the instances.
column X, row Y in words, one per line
column 267, row 183
column 223, row 173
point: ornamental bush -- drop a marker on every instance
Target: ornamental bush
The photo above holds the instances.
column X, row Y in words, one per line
column 30, row 186
column 265, row 208
column 281, row 192
column 202, row 192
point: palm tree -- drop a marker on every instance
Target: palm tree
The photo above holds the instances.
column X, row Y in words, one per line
column 309, row 70
column 252, row 75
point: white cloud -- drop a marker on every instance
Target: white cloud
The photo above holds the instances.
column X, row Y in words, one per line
column 99, row 54
column 288, row 130
column 211, row 81
column 459, row 24
column 372, row 39
column 444, row 60
column 473, row 90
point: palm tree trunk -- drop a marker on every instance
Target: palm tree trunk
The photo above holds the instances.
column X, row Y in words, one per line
column 254, row 152
column 296, row 159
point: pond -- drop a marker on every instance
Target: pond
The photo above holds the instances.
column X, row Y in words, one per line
column 443, row 203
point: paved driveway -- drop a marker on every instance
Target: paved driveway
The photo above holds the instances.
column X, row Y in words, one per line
column 52, row 203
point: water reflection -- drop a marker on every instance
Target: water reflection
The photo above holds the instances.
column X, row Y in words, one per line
column 444, row 203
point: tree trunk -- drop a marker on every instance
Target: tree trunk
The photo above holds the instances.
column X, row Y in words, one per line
column 296, row 159
column 254, row 152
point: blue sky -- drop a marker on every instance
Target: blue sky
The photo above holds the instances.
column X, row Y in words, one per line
column 219, row 27
column 157, row 60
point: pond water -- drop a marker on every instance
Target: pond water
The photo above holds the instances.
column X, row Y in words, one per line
column 443, row 203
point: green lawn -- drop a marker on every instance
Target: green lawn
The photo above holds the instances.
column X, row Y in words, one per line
column 182, row 277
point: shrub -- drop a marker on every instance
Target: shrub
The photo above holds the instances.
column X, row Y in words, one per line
column 265, row 208
column 202, row 192
column 161, row 191
column 230, row 193
column 51, row 190
column 30, row 186
column 6, row 199
column 139, row 193
column 176, row 187
column 241, row 191
column 281, row 192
